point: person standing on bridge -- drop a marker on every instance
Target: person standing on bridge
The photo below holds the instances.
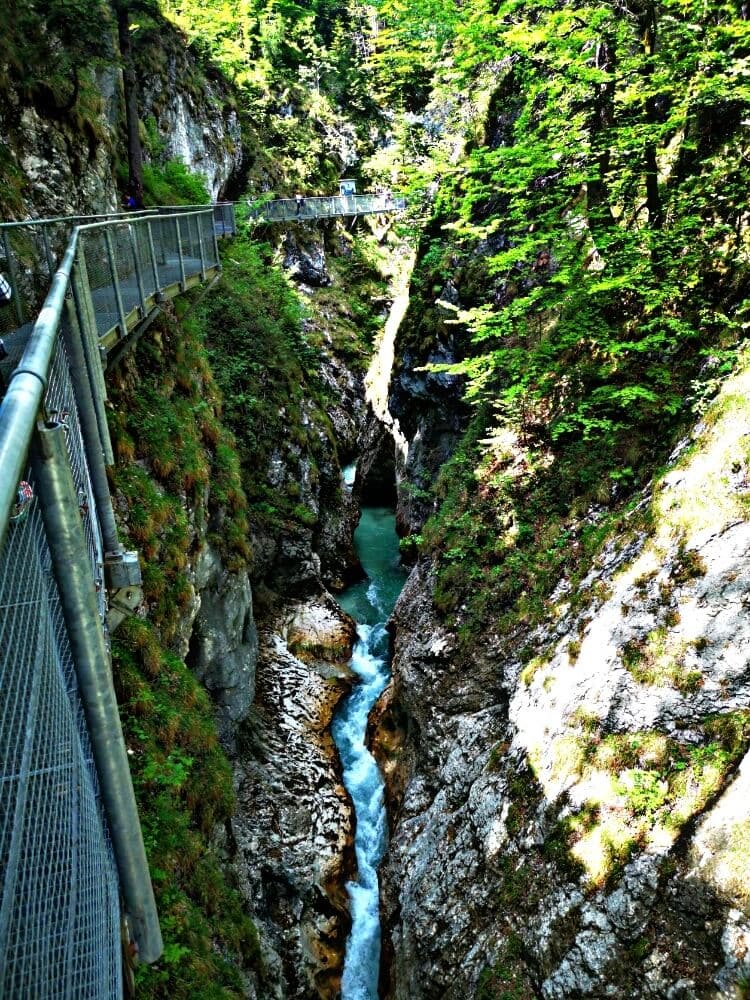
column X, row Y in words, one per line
column 300, row 202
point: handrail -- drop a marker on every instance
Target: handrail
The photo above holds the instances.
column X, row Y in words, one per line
column 135, row 259
column 28, row 381
column 23, row 397
column 75, row 218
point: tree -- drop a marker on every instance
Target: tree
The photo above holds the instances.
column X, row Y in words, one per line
column 124, row 10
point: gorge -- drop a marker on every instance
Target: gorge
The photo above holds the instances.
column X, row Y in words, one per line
column 539, row 372
column 370, row 602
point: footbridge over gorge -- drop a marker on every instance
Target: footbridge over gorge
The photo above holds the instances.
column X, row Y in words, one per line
column 324, row 207
column 74, row 870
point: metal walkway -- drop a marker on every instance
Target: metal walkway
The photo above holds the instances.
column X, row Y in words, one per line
column 328, row 207
column 71, row 851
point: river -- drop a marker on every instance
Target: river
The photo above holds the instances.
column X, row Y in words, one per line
column 370, row 603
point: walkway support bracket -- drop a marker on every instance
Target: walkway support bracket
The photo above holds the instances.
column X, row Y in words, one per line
column 72, row 570
column 122, row 576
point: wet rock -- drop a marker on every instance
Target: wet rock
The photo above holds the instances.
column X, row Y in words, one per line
column 294, row 827
column 223, row 648
column 305, row 261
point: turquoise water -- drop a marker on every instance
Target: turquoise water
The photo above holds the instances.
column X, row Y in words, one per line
column 370, row 603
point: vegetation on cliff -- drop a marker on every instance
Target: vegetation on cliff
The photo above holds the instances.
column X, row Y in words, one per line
column 177, row 476
column 582, row 285
column 593, row 239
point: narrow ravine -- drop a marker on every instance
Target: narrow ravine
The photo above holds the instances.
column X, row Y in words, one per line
column 370, row 603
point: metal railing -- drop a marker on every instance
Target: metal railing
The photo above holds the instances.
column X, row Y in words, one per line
column 225, row 222
column 327, row 207
column 30, row 251
column 70, row 842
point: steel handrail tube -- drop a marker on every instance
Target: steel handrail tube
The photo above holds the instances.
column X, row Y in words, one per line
column 23, row 397
column 104, row 216
column 20, row 410
column 72, row 569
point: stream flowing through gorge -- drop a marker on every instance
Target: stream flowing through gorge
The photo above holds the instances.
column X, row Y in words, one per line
column 370, row 603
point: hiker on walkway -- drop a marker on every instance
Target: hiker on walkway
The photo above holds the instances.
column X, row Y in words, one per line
column 300, row 202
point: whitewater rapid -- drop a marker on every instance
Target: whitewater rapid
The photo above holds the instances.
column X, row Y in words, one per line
column 370, row 603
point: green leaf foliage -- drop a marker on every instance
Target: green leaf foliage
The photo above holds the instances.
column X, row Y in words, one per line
column 594, row 232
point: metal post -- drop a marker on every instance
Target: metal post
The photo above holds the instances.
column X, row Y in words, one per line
column 154, row 265
column 90, row 342
column 179, row 251
column 13, row 278
column 217, row 259
column 138, row 274
column 70, row 563
column 116, row 283
column 48, row 251
column 84, row 393
column 199, row 222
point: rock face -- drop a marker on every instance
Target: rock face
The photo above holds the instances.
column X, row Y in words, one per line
column 305, row 260
column 426, row 411
column 294, row 828
column 576, row 825
column 197, row 125
column 65, row 168
column 223, row 646
column 64, row 171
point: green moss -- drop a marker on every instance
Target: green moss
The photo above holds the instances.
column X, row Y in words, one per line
column 183, row 784
column 266, row 363
column 172, row 447
column 506, row 979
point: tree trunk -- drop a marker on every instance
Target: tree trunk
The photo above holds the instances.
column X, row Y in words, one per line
column 647, row 28
column 130, row 87
column 602, row 119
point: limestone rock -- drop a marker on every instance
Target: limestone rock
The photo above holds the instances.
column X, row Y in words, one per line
column 294, row 827
column 224, row 644
column 579, row 824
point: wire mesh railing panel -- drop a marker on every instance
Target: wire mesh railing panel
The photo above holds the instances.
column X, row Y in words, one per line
column 191, row 244
column 100, row 281
column 60, row 894
column 208, row 240
column 171, row 243
column 61, row 406
column 28, row 268
column 119, row 238
column 326, row 206
column 225, row 223
column 142, row 249
column 59, row 912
